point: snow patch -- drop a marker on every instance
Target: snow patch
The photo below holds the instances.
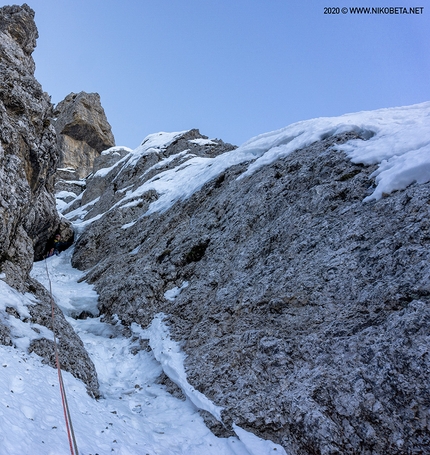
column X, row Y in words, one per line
column 171, row 358
column 72, row 296
column 135, row 251
column 153, row 143
column 65, row 194
column 22, row 332
column 81, row 212
column 397, row 139
column 115, row 150
column 256, row 445
column 164, row 162
column 202, row 142
column 128, row 225
column 67, row 169
column 171, row 294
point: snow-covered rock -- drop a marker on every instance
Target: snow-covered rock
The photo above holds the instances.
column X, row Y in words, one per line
column 281, row 288
column 306, row 251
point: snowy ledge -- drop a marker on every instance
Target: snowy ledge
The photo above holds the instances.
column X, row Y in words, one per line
column 22, row 332
column 396, row 139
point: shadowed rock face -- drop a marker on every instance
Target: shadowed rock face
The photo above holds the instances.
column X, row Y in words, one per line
column 28, row 154
column 28, row 160
column 83, row 131
column 307, row 312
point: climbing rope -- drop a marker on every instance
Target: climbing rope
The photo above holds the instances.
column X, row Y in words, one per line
column 66, row 411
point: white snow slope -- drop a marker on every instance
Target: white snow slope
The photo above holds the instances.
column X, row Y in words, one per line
column 136, row 415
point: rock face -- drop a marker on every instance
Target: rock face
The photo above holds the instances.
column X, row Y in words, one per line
column 303, row 312
column 28, row 160
column 83, row 132
column 28, row 154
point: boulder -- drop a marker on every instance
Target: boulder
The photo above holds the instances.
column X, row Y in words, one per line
column 83, row 132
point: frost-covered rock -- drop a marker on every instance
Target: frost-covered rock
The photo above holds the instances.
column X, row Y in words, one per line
column 28, row 215
column 83, row 132
column 306, row 312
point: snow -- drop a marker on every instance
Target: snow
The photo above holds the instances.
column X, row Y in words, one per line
column 153, row 143
column 135, row 415
column 397, row 140
column 168, row 353
column 202, row 142
column 62, row 197
column 72, row 298
column 128, row 225
column 133, row 421
column 66, row 194
column 63, row 206
column 135, row 251
column 116, row 150
column 158, row 140
column 66, row 169
column 78, row 215
column 21, row 332
column 171, row 294
column 81, row 182
column 166, row 161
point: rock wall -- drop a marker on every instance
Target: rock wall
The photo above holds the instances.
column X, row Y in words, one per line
column 83, row 132
column 28, row 154
column 28, row 161
column 303, row 312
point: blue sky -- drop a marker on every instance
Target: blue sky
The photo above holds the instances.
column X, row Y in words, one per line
column 232, row 68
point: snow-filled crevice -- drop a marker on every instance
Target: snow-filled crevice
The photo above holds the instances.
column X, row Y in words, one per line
column 135, row 414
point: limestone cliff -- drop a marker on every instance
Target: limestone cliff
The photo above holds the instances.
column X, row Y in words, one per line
column 28, row 154
column 83, row 132
column 303, row 311
column 28, row 161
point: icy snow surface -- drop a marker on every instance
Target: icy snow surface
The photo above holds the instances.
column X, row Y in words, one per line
column 398, row 139
column 136, row 416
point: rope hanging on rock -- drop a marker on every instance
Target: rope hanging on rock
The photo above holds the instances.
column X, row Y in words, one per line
column 66, row 411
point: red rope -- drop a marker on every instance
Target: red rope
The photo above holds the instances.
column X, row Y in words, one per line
column 66, row 411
